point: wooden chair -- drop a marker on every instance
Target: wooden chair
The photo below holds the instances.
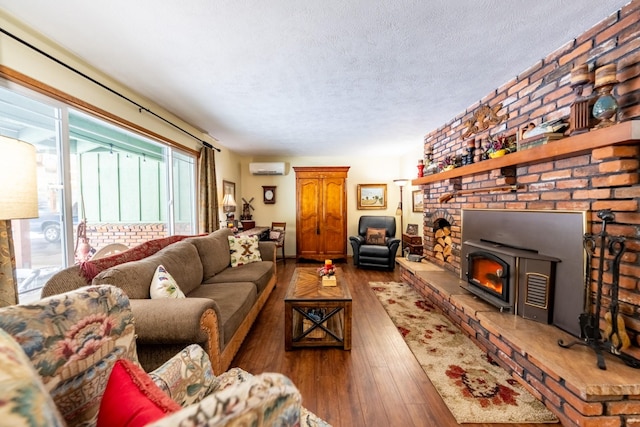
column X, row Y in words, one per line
column 277, row 234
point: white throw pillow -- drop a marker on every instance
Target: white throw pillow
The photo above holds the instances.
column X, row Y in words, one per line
column 163, row 285
column 244, row 250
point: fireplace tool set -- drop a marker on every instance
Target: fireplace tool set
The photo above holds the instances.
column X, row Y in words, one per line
column 615, row 337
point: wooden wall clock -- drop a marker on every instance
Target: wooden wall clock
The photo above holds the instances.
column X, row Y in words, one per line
column 269, row 194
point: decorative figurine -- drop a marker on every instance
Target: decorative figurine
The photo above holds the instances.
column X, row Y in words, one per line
column 606, row 107
column 580, row 119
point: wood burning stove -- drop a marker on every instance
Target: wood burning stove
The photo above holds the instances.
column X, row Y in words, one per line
column 490, row 274
column 516, row 280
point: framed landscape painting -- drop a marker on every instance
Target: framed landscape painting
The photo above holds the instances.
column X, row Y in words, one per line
column 418, row 201
column 372, row 196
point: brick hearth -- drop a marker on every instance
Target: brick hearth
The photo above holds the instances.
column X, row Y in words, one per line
column 566, row 380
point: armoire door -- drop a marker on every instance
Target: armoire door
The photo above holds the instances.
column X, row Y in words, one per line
column 321, row 220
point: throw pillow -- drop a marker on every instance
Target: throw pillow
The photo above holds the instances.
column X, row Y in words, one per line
column 375, row 236
column 90, row 269
column 132, row 399
column 274, row 235
column 25, row 401
column 163, row 285
column 244, row 250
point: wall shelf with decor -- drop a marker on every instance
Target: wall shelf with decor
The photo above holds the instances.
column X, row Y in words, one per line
column 622, row 133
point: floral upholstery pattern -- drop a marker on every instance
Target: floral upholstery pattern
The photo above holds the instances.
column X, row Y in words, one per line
column 187, row 377
column 56, row 356
column 279, row 405
column 25, row 401
column 73, row 341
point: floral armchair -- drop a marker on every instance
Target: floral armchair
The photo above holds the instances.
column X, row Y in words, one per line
column 59, row 358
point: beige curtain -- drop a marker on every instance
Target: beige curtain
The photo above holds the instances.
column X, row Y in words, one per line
column 8, row 281
column 208, row 200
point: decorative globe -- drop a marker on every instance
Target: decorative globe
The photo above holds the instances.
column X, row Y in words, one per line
column 605, row 107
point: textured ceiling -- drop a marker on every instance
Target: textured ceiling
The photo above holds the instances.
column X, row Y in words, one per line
column 305, row 78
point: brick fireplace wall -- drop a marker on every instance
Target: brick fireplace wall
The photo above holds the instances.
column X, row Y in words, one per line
column 605, row 178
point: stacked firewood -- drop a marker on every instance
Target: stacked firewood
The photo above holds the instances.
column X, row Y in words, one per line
column 443, row 245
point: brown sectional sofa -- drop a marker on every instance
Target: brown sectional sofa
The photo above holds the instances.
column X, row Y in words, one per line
column 221, row 303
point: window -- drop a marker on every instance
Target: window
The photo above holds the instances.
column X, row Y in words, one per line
column 106, row 182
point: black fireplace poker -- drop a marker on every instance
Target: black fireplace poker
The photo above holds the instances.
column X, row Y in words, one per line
column 590, row 335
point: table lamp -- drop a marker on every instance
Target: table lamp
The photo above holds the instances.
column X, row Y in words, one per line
column 18, row 200
column 229, row 206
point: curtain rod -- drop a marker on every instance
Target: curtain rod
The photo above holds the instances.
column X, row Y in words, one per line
column 102, row 85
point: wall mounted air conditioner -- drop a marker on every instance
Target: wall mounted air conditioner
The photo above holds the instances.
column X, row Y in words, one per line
column 269, row 168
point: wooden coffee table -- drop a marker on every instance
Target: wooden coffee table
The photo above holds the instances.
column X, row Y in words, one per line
column 316, row 315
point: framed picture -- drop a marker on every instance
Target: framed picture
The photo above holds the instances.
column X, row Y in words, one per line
column 418, row 201
column 229, row 187
column 372, row 196
column 412, row 229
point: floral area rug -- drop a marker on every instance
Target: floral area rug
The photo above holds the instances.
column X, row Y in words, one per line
column 475, row 389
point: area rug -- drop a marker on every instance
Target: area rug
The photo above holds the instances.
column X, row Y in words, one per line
column 475, row 389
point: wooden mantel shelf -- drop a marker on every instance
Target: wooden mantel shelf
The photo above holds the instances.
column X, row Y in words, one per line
column 621, row 133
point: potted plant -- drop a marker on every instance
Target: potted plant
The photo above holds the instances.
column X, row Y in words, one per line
column 448, row 163
column 500, row 145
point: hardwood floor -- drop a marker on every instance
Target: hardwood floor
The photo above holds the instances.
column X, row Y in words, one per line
column 377, row 383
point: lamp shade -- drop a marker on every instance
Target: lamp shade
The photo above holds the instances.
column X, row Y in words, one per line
column 229, row 203
column 401, row 182
column 18, row 180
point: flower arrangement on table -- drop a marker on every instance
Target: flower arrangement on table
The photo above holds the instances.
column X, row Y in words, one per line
column 327, row 269
column 500, row 145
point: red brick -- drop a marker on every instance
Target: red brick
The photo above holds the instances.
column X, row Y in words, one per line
column 585, row 408
column 612, row 31
column 633, row 422
column 573, row 206
column 573, row 162
column 556, row 175
column 616, row 205
column 623, row 408
column 603, row 193
column 556, row 195
column 577, row 51
column 549, row 395
column 626, row 192
column 618, row 166
column 615, row 180
column 615, row 151
column 542, row 186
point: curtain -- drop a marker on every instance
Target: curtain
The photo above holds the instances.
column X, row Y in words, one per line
column 8, row 281
column 208, row 200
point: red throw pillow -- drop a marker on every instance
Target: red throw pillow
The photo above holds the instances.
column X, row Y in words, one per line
column 132, row 399
column 90, row 269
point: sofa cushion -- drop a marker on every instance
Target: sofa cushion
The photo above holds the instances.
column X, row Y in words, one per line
column 25, row 401
column 213, row 251
column 233, row 300
column 244, row 250
column 163, row 285
column 180, row 259
column 257, row 272
column 132, row 399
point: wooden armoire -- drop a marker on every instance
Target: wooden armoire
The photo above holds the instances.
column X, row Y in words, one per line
column 321, row 212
